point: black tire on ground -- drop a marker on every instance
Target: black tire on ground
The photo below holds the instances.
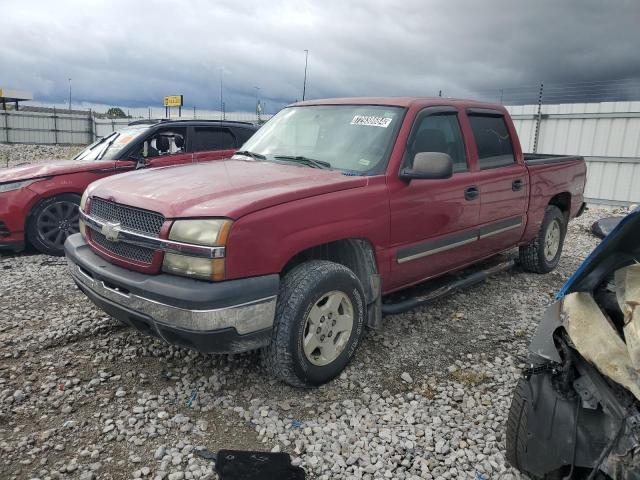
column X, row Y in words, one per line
column 516, row 438
column 517, row 431
column 533, row 257
column 51, row 221
column 302, row 289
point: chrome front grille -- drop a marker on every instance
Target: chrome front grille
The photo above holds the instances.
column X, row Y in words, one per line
column 124, row 250
column 129, row 218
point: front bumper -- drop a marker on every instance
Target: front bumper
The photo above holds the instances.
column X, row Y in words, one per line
column 224, row 317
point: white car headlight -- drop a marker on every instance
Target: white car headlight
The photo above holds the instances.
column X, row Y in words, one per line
column 83, row 201
column 209, row 232
column 8, row 187
column 82, row 227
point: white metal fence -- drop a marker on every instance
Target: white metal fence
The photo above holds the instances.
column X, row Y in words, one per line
column 607, row 134
column 77, row 127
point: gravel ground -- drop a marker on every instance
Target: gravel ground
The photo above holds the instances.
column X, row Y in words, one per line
column 426, row 396
column 13, row 155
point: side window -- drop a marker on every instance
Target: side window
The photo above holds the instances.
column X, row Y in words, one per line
column 208, row 138
column 164, row 142
column 493, row 141
column 440, row 133
column 243, row 134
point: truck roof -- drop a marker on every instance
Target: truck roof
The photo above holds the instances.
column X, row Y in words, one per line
column 169, row 121
column 403, row 102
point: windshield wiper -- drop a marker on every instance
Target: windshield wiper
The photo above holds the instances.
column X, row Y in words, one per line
column 108, row 146
column 254, row 155
column 86, row 151
column 305, row 160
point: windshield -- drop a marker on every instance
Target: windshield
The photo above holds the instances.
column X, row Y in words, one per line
column 110, row 147
column 353, row 138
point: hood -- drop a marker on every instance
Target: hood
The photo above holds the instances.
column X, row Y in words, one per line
column 50, row 169
column 226, row 188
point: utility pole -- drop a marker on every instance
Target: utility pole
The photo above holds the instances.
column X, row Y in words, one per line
column 69, row 94
column 221, row 101
column 304, row 85
column 538, row 119
column 257, row 104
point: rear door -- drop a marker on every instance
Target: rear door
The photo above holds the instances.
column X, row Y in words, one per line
column 433, row 222
column 502, row 180
column 213, row 143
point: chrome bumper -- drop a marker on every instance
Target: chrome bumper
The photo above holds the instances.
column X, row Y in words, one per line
column 244, row 318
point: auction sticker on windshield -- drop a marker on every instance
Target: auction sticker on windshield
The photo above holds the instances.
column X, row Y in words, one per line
column 371, row 121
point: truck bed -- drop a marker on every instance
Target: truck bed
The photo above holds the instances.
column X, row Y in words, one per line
column 542, row 158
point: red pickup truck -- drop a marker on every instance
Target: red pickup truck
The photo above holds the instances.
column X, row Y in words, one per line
column 289, row 245
column 39, row 203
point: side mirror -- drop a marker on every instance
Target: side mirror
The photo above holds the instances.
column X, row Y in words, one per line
column 429, row 166
column 139, row 160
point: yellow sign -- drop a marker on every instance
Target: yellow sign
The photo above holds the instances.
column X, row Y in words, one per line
column 173, row 101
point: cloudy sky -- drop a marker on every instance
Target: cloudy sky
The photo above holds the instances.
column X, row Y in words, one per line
column 132, row 53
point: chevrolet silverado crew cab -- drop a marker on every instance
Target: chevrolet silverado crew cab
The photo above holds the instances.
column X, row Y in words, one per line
column 290, row 245
column 39, row 203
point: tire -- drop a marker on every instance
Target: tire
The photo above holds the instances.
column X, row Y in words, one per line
column 301, row 300
column 536, row 257
column 517, row 431
column 516, row 438
column 51, row 221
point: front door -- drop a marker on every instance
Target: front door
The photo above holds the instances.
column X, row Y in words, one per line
column 166, row 147
column 433, row 222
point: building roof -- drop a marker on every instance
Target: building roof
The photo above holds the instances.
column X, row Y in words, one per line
column 15, row 95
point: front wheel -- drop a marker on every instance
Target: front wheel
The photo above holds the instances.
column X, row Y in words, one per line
column 543, row 254
column 318, row 326
column 52, row 221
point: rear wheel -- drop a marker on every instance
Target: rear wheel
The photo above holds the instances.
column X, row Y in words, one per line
column 318, row 326
column 52, row 221
column 543, row 254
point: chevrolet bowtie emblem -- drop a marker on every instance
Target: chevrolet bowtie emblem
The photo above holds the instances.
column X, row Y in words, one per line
column 111, row 230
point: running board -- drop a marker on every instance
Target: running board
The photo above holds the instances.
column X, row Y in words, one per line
column 448, row 288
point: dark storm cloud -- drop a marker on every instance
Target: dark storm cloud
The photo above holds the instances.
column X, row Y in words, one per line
column 133, row 53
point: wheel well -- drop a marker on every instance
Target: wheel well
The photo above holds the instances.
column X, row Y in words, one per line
column 563, row 202
column 355, row 254
column 29, row 217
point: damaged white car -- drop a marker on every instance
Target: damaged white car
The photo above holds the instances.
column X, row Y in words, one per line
column 575, row 414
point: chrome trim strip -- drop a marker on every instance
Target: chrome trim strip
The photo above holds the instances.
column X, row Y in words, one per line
column 426, row 253
column 500, row 230
column 245, row 317
column 154, row 243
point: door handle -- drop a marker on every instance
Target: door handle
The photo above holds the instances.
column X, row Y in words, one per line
column 471, row 192
column 516, row 185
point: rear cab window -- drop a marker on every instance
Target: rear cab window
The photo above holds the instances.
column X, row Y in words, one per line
column 495, row 148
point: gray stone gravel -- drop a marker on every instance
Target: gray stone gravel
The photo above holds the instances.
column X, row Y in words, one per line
column 18, row 154
column 426, row 396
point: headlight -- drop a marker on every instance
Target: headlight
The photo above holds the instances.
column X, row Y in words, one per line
column 204, row 268
column 209, row 232
column 8, row 187
column 83, row 201
column 82, row 227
